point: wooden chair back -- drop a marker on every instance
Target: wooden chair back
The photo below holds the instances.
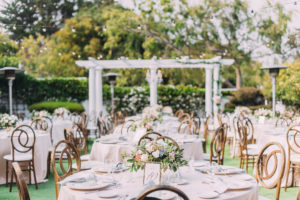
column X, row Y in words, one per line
column 270, row 166
column 188, row 126
column 23, row 140
column 44, row 123
column 283, row 121
column 184, row 116
column 205, row 133
column 178, row 113
column 217, row 145
column 292, row 138
column 143, row 195
column 149, row 136
column 63, row 169
column 102, row 127
column 77, row 138
column 20, row 181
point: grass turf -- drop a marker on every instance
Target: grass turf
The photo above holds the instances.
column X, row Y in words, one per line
column 46, row 190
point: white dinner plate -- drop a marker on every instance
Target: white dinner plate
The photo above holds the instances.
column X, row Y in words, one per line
column 207, row 194
column 108, row 194
column 88, row 186
column 239, row 185
column 101, row 170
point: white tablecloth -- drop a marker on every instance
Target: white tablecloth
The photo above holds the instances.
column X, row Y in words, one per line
column 42, row 144
column 58, row 129
column 131, row 184
column 113, row 152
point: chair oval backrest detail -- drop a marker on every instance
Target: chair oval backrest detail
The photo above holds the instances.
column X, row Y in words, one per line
column 270, row 165
column 292, row 138
column 143, row 195
column 67, row 151
column 23, row 140
column 21, row 183
column 217, row 146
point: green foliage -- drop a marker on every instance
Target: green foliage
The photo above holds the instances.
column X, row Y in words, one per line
column 248, row 96
column 50, row 106
column 289, row 84
column 24, row 18
column 30, row 90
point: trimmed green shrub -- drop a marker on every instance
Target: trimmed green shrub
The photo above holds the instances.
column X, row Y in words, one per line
column 247, row 96
column 50, row 106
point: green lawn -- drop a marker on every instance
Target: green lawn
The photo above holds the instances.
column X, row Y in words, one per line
column 46, row 190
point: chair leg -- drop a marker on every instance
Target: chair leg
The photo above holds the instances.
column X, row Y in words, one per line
column 48, row 164
column 34, row 175
column 247, row 160
column 29, row 172
column 11, row 178
column 6, row 173
column 287, row 175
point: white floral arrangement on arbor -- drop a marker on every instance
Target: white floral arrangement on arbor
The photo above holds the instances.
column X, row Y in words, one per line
column 8, row 121
column 242, row 110
column 263, row 113
column 61, row 112
column 42, row 113
column 158, row 151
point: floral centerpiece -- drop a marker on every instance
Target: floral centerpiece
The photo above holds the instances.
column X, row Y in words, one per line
column 158, row 151
column 42, row 113
column 8, row 121
column 263, row 113
column 61, row 112
column 150, row 117
column 242, row 110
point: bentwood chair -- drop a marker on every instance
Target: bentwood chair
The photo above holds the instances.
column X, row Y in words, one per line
column 178, row 113
column 149, row 137
column 293, row 159
column 64, row 169
column 145, row 195
column 217, row 146
column 247, row 155
column 205, row 134
column 188, row 126
column 183, row 117
column 102, row 126
column 76, row 137
column 270, row 166
column 126, row 126
column 21, row 182
column 22, row 144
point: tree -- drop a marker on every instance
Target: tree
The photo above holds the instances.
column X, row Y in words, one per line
column 289, row 83
column 32, row 17
column 214, row 27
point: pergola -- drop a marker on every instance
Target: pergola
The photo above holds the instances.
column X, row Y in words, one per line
column 211, row 66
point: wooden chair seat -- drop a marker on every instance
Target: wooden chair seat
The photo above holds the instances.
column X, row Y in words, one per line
column 19, row 158
column 251, row 152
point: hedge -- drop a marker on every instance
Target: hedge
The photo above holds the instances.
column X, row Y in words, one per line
column 31, row 90
column 50, row 106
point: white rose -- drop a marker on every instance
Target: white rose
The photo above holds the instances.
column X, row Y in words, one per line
column 155, row 154
column 144, row 157
column 139, row 152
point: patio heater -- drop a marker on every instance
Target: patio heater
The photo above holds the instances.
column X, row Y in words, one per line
column 274, row 71
column 10, row 75
column 112, row 80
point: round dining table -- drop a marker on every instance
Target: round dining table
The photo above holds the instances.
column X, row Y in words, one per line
column 42, row 144
column 126, row 185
